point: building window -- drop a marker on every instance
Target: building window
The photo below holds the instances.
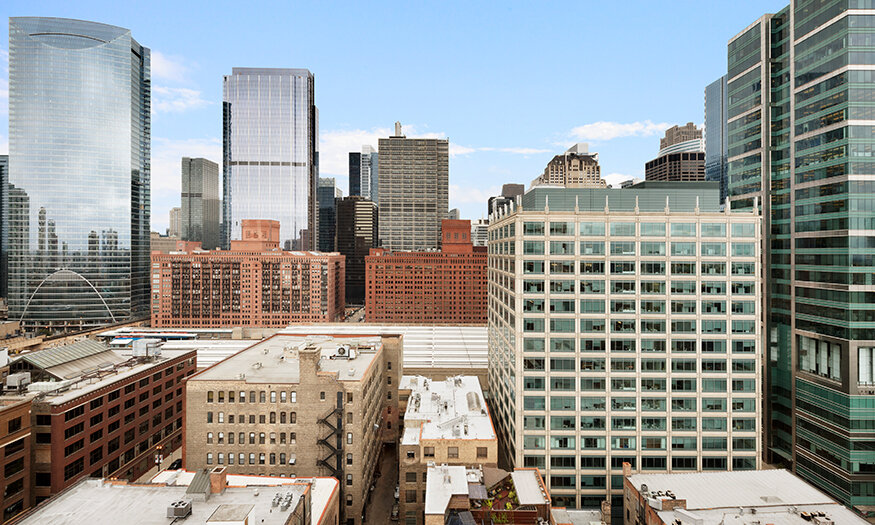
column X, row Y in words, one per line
column 349, row 480
column 482, row 452
column 294, row 397
column 349, row 500
column 293, row 417
column 349, row 438
column 321, row 396
column 209, row 437
column 292, row 438
column 349, row 459
column 453, row 452
column 428, row 452
column 210, row 396
column 209, row 458
column 410, row 496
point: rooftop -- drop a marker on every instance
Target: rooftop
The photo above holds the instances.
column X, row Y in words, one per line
column 651, row 196
column 520, row 492
column 449, row 409
column 455, row 347
column 445, row 481
column 729, row 497
column 277, row 359
column 95, row 502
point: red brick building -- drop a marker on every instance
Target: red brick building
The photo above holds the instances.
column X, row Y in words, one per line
column 252, row 284
column 15, row 443
column 448, row 286
column 101, row 412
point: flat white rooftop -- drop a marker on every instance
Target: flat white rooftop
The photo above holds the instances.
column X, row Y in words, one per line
column 275, row 359
column 450, row 409
column 425, row 346
column 94, row 502
column 728, row 497
column 528, row 487
column 443, row 482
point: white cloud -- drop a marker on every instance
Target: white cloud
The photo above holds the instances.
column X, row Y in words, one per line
column 176, row 100
column 458, row 149
column 169, row 67
column 614, row 179
column 469, row 194
column 612, row 130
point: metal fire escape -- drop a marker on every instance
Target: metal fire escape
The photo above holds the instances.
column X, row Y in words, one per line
column 333, row 461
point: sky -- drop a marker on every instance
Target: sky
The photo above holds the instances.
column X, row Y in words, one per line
column 509, row 83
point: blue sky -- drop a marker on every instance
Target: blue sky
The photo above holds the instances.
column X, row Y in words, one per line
column 509, row 83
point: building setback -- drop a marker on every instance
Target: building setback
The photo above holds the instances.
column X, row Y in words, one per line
column 413, row 191
column 100, row 412
column 800, row 141
column 201, row 206
column 299, row 406
column 79, row 172
column 252, row 284
column 624, row 326
column 358, row 230
column 271, row 146
column 681, row 156
column 448, row 286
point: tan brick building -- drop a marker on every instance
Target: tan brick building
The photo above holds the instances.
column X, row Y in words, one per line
column 576, row 168
column 252, row 284
column 445, row 422
column 298, row 406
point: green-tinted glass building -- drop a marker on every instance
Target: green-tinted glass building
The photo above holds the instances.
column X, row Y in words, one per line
column 801, row 104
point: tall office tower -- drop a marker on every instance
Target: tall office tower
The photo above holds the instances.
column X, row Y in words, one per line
column 478, row 232
column 413, row 191
column 624, row 326
column 270, row 160
column 200, row 203
column 681, row 156
column 716, row 147
column 357, row 232
column 363, row 173
column 454, row 214
column 509, row 192
column 328, row 193
column 576, row 168
column 175, row 228
column 79, row 140
column 804, row 147
column 4, row 224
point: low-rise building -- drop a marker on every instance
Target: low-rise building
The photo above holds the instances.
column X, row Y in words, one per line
column 448, row 286
column 445, row 422
column 194, row 498
column 298, row 406
column 100, row 412
column 252, row 284
column 739, row 497
column 455, row 494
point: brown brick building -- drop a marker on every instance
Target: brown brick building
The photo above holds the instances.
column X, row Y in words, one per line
column 448, row 286
column 252, row 284
column 100, row 412
column 15, row 442
column 298, row 406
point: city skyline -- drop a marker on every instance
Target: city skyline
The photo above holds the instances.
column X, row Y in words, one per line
column 621, row 120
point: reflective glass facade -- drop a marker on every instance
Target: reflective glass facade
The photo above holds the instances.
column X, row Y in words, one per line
column 715, row 134
column 800, row 91
column 78, row 192
column 270, row 159
column 4, row 228
column 199, row 214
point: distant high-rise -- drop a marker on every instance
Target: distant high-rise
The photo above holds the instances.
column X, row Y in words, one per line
column 509, row 192
column 716, row 145
column 328, row 193
column 681, row 156
column 271, row 148
column 479, row 229
column 454, row 214
column 413, row 191
column 175, row 228
column 363, row 173
column 576, row 168
column 200, row 202
column 357, row 232
column 4, row 226
column 79, row 144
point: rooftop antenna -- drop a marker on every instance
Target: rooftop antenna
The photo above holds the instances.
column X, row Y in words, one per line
column 398, row 129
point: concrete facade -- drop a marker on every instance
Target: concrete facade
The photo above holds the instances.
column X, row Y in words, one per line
column 576, row 168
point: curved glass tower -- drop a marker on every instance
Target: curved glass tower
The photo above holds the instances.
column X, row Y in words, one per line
column 79, row 141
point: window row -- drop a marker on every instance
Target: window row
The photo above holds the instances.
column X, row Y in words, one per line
column 630, row 229
column 624, row 384
column 716, row 346
column 638, row 443
column 592, row 287
column 261, row 396
column 652, row 326
column 563, row 267
column 680, row 249
column 260, row 438
column 647, row 424
column 654, row 404
column 631, row 306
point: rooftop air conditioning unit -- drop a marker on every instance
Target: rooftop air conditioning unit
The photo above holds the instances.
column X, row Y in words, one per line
column 179, row 509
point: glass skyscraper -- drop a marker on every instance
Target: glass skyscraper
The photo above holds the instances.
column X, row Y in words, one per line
column 800, row 112
column 364, row 173
column 78, row 192
column 270, row 160
column 715, row 134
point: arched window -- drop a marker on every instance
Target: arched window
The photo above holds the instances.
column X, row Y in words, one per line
column 293, row 417
column 283, row 418
column 273, row 417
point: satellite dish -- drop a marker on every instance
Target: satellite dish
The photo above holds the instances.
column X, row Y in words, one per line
column 341, row 350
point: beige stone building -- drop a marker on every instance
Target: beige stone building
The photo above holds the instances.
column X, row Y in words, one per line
column 677, row 134
column 445, row 422
column 298, row 406
column 576, row 168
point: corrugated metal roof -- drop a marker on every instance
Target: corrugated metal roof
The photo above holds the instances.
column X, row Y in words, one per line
column 200, row 483
column 64, row 354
